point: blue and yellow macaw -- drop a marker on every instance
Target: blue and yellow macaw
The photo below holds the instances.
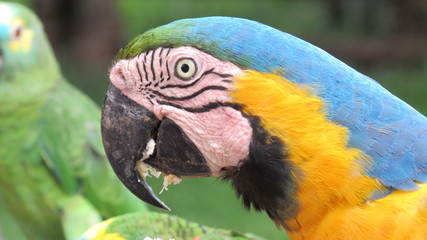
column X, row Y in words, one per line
column 326, row 151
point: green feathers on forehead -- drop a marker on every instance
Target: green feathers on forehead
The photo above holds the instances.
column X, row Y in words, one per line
column 170, row 35
column 197, row 32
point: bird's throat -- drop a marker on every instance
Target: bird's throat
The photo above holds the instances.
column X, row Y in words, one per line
column 265, row 180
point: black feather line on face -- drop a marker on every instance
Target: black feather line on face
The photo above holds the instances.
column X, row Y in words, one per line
column 264, row 180
column 205, row 108
column 191, row 96
column 152, row 64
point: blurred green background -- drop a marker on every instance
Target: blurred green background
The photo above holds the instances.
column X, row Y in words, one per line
column 385, row 39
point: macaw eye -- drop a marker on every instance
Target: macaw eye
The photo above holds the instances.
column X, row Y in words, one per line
column 185, row 68
column 17, row 32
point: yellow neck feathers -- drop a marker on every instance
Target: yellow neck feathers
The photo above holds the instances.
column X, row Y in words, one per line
column 330, row 173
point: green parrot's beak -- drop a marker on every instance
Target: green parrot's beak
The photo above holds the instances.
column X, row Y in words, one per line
column 127, row 128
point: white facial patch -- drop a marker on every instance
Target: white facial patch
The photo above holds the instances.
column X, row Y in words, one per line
column 6, row 14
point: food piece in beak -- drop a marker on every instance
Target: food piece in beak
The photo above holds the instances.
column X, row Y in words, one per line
column 126, row 130
column 146, row 170
column 169, row 179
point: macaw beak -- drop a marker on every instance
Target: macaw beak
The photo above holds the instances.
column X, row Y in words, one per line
column 126, row 129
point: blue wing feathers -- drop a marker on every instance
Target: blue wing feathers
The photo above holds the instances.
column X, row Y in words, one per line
column 387, row 129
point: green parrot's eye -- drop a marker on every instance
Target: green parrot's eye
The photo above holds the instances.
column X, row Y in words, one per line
column 17, row 32
column 185, row 68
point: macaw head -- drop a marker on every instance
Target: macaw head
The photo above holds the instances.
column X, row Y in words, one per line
column 223, row 97
column 173, row 86
column 24, row 49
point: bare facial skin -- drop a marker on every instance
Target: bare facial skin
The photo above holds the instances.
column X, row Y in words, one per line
column 192, row 89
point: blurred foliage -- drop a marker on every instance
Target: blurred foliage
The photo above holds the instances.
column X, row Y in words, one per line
column 278, row 14
column 383, row 39
column 408, row 84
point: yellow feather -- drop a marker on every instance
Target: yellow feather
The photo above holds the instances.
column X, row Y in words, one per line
column 24, row 43
column 332, row 189
column 99, row 232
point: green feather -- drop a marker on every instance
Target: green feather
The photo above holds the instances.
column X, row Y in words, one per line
column 139, row 226
column 77, row 215
column 154, row 38
column 51, row 152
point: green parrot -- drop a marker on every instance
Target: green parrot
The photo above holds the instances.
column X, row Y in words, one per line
column 138, row 226
column 55, row 180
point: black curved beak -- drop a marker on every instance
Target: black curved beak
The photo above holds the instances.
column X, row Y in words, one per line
column 126, row 129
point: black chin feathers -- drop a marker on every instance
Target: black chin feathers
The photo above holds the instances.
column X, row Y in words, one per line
column 264, row 180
